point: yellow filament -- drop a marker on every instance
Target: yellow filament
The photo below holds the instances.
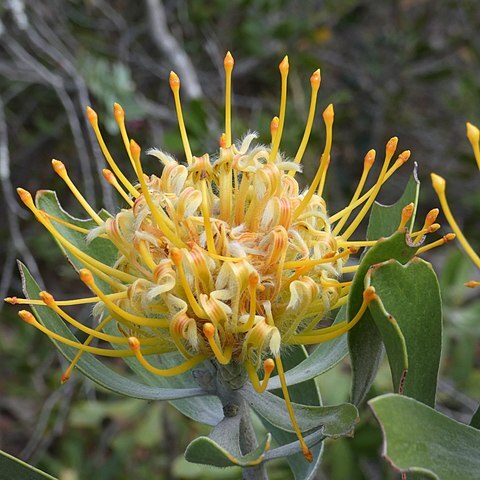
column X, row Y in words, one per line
column 73, row 363
column 156, row 214
column 176, row 256
column 325, row 334
column 439, row 185
column 312, row 262
column 110, row 178
column 119, row 115
column 286, row 395
column 80, row 326
column 175, row 86
column 147, row 256
column 367, row 165
column 228, row 65
column 61, row 171
column 252, row 290
column 350, row 269
column 206, row 218
column 93, row 118
column 80, row 346
column 473, row 135
column 283, row 104
column 390, row 150
column 222, row 357
column 63, row 303
column 88, row 279
column 268, row 366
column 446, row 238
column 341, row 301
column 315, row 82
column 399, row 162
column 71, row 226
column 164, row 372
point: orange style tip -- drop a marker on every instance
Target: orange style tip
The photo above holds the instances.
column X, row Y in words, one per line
column 92, row 115
column 274, row 126
column 108, row 175
column 307, row 453
column 25, row 196
column 404, row 156
column 369, row 294
column 27, row 317
column 473, row 133
column 223, row 140
column 328, row 114
column 86, row 276
column 392, row 145
column 11, row 300
column 47, row 298
column 472, row 284
column 174, row 81
column 228, row 61
column 268, row 365
column 118, row 111
column 408, row 210
column 58, row 167
column 369, row 159
column 135, row 148
column 253, row 279
column 438, row 183
column 353, row 250
column 315, row 79
column 284, row 66
column 434, row 227
column 209, row 330
column 134, row 344
column 449, row 237
column 176, row 255
column 65, row 377
column 432, row 215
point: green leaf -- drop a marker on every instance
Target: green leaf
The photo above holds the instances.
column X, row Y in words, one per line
column 419, row 439
column 475, row 421
column 325, row 356
column 409, row 317
column 12, row 468
column 222, row 447
column 364, row 340
column 337, row 420
column 89, row 365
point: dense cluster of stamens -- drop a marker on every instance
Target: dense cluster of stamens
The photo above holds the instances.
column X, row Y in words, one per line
column 221, row 257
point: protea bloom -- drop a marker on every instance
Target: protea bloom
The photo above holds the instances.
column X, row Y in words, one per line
column 220, row 257
column 439, row 184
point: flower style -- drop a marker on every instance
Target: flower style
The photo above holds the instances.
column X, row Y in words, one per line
column 220, row 258
column 439, row 185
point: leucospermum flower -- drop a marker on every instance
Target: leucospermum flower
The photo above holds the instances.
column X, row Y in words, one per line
column 220, row 257
column 439, row 185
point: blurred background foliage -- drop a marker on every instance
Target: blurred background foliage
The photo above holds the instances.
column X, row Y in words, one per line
column 409, row 68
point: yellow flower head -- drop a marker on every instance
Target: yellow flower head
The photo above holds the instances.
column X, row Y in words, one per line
column 220, row 257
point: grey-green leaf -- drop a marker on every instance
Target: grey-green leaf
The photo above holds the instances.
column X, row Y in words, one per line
column 419, row 439
column 337, row 420
column 222, row 447
column 364, row 340
column 12, row 468
column 410, row 295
